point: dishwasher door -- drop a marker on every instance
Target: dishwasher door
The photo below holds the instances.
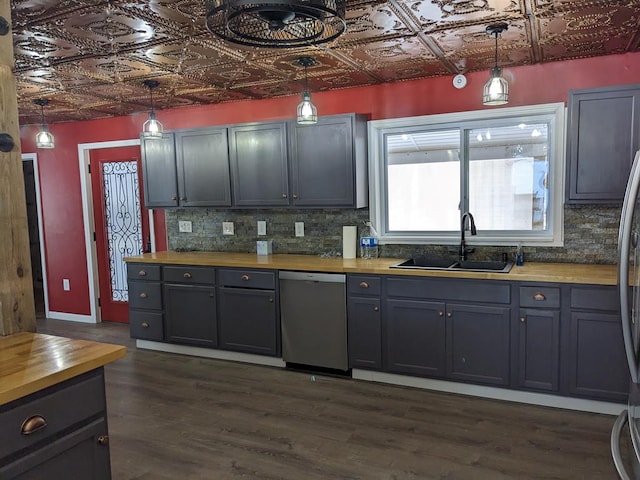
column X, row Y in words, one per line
column 313, row 318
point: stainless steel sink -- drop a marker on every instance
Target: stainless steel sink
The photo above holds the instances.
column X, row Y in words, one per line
column 427, row 263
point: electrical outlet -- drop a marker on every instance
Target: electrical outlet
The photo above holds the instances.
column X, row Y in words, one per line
column 65, row 284
column 184, row 226
column 262, row 227
column 227, row 228
column 299, row 229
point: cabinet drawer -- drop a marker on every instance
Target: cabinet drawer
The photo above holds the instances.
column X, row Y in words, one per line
column 363, row 285
column 542, row 297
column 189, row 274
column 142, row 271
column 598, row 298
column 145, row 295
column 50, row 411
column 247, row 278
column 146, row 325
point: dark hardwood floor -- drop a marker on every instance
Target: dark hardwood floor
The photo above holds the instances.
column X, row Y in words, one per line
column 179, row 417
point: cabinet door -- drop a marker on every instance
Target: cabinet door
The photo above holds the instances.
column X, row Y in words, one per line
column 478, row 343
column 597, row 362
column 248, row 320
column 364, row 332
column 539, row 349
column 415, row 337
column 258, row 156
column 190, row 314
column 77, row 455
column 322, row 164
column 593, row 150
column 159, row 172
column 202, row 158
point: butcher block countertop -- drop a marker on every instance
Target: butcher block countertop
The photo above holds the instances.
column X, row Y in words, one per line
column 529, row 272
column 30, row 362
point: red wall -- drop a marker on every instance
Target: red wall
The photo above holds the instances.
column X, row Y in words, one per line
column 60, row 178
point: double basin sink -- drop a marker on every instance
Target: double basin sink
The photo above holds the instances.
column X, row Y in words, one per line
column 426, row 263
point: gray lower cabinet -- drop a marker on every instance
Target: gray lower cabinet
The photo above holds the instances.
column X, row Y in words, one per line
column 538, row 330
column 364, row 321
column 189, row 297
column 145, row 302
column 597, row 366
column 249, row 313
column 59, row 433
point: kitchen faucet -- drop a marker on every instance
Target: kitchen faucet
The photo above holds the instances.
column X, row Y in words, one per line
column 464, row 250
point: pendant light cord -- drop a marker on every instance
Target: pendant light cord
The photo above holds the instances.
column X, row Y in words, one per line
column 496, row 49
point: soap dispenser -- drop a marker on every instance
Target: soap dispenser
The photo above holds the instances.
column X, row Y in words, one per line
column 519, row 256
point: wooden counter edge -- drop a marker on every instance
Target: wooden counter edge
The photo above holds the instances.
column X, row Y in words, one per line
column 110, row 353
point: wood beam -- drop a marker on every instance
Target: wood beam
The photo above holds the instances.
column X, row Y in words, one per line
column 17, row 310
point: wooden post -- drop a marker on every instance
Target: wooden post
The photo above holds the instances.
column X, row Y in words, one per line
column 17, row 309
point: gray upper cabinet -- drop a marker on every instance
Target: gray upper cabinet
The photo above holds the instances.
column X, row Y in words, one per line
column 603, row 131
column 202, row 159
column 159, row 172
column 258, row 155
column 328, row 162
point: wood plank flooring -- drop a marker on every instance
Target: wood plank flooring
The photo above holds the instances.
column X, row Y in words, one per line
column 177, row 417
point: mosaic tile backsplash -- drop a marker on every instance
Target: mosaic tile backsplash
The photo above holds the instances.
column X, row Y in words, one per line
column 590, row 235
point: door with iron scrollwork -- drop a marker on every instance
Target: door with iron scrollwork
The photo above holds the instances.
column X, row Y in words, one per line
column 121, row 224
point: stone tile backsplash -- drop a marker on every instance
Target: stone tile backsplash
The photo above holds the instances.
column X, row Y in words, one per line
column 590, row 235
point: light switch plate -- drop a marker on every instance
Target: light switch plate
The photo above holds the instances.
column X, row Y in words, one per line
column 299, row 229
column 262, row 227
column 184, row 226
column 227, row 228
column 65, row 284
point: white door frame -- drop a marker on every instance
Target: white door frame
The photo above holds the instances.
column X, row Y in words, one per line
column 84, row 150
column 36, row 177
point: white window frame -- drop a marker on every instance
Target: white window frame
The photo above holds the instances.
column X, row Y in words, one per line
column 553, row 237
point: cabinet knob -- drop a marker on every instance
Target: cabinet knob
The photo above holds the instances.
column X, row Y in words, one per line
column 449, row 315
column 295, row 195
column 364, row 285
column 245, row 278
column 539, row 297
column 174, row 198
column 375, row 309
column 270, row 300
column 103, row 440
column 284, row 195
column 183, row 199
column 143, row 295
column 142, row 273
column 523, row 319
column 441, row 314
column 144, row 325
column 33, row 424
column 186, row 275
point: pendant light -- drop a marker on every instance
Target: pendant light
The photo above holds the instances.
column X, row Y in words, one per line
column 307, row 111
column 44, row 138
column 152, row 128
column 496, row 90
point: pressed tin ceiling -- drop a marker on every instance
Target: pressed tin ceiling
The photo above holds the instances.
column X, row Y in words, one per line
column 90, row 58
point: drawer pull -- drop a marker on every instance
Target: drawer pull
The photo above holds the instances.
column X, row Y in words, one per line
column 270, row 300
column 449, row 314
column 522, row 319
column 284, row 195
column 33, row 424
column 144, row 325
column 174, row 198
column 364, row 285
column 375, row 309
column 103, row 440
column 183, row 199
column 441, row 314
column 295, row 196
column 142, row 273
column 143, row 295
column 538, row 297
column 245, row 278
column 186, row 275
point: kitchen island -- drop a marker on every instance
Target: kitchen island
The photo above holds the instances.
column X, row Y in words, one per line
column 53, row 415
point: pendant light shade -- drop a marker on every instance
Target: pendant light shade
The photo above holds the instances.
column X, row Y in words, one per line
column 496, row 90
column 44, row 138
column 152, row 128
column 307, row 112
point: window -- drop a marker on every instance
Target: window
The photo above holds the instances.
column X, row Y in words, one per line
column 504, row 166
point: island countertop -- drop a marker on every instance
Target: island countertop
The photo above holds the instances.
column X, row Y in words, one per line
column 530, row 272
column 30, row 362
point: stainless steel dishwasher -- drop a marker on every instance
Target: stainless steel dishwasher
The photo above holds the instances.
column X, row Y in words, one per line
column 313, row 318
